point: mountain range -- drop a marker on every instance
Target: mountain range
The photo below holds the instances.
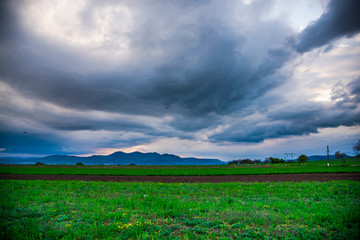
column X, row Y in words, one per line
column 116, row 158
column 122, row 158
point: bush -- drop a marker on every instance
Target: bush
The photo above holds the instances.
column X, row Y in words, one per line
column 39, row 164
column 241, row 161
column 79, row 164
column 276, row 160
column 233, row 162
column 267, row 161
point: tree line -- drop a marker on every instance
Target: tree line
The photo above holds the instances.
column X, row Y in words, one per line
column 301, row 159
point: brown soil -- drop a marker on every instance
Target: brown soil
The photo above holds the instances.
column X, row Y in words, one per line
column 321, row 177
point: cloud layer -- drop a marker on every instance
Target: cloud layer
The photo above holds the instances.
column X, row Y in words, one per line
column 96, row 74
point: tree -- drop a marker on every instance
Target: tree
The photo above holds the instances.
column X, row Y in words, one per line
column 302, row 159
column 357, row 147
column 79, row 164
column 340, row 155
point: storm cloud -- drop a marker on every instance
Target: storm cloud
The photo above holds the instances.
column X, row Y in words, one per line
column 135, row 71
column 341, row 19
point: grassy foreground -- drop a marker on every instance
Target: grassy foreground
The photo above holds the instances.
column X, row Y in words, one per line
column 98, row 210
column 310, row 167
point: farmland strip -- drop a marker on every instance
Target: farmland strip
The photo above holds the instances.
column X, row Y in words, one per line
column 321, row 177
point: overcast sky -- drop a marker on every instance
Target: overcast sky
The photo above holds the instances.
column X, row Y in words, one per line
column 215, row 79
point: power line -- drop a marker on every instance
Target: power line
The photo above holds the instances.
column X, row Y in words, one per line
column 289, row 156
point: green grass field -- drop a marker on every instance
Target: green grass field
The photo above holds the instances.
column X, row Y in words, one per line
column 98, row 210
column 352, row 165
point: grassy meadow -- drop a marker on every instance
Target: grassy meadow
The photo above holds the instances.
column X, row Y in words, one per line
column 109, row 210
column 352, row 165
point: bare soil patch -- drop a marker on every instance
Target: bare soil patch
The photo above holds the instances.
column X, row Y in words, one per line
column 321, row 177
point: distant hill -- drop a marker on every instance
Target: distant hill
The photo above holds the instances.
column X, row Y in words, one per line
column 123, row 158
column 115, row 158
column 320, row 157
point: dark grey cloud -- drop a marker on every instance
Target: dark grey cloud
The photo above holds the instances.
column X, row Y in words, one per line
column 193, row 124
column 346, row 97
column 10, row 26
column 354, row 88
column 203, row 75
column 341, row 19
column 82, row 123
column 301, row 120
column 294, row 124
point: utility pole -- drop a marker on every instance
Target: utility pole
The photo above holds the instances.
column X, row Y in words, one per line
column 327, row 150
